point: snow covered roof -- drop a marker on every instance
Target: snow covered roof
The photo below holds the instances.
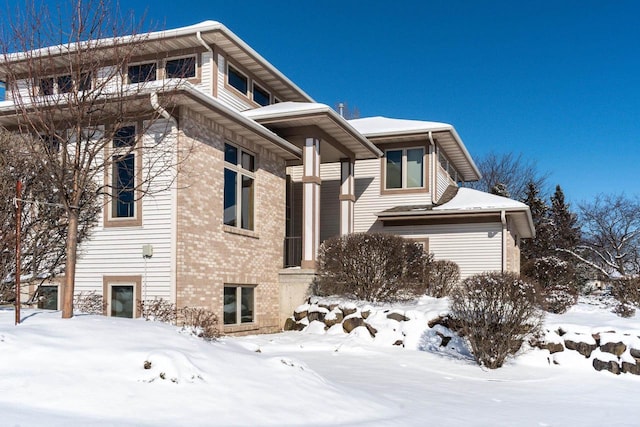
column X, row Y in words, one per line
column 467, row 202
column 294, row 117
column 211, row 33
column 383, row 129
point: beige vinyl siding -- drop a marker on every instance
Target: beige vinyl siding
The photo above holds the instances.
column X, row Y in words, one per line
column 117, row 251
column 227, row 95
column 476, row 248
column 442, row 182
column 206, row 74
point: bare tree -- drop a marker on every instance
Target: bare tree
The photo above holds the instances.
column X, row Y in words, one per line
column 611, row 236
column 76, row 96
column 43, row 225
column 507, row 174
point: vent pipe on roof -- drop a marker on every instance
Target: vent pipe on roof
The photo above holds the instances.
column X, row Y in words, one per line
column 341, row 109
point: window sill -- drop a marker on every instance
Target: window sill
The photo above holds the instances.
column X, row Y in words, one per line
column 244, row 327
column 240, row 231
column 414, row 190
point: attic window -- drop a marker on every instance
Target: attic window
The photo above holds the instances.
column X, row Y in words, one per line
column 181, row 68
column 261, row 96
column 237, row 80
column 141, row 73
column 404, row 168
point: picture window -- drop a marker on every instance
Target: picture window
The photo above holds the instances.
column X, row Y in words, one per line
column 404, row 168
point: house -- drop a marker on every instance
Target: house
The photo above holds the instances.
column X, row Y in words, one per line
column 271, row 175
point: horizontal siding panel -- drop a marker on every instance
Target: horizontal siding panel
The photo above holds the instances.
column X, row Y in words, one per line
column 476, row 248
column 224, row 94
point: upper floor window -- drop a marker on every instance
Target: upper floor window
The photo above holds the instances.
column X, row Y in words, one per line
column 64, row 84
column 237, row 80
column 140, row 73
column 261, row 96
column 123, row 173
column 404, row 168
column 180, row 68
column 448, row 167
column 239, row 177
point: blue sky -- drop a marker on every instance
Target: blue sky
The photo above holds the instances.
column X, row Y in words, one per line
column 558, row 81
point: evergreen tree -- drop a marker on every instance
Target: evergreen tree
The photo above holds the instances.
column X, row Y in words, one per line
column 539, row 246
column 500, row 189
column 566, row 232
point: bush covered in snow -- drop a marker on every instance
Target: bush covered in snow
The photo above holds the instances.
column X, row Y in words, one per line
column 441, row 276
column 496, row 312
column 627, row 292
column 371, row 266
column 558, row 283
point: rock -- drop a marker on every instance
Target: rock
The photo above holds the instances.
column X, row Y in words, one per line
column 397, row 316
column 635, row 353
column 351, row 323
column 554, row 347
column 365, row 313
column 445, row 339
column 348, row 311
column 333, row 318
column 316, row 315
column 631, row 368
column 300, row 315
column 581, row 347
column 561, row 331
column 325, row 306
column 596, row 338
column 611, row 366
column 373, row 331
column 616, row 348
column 399, row 342
column 292, row 325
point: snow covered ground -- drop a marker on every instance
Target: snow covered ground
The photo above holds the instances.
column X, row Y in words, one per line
column 90, row 371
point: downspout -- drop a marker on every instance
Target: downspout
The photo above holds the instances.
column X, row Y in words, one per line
column 206, row 46
column 432, row 168
column 503, row 220
column 174, row 203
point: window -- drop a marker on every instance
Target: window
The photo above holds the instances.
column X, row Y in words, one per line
column 141, row 73
column 121, row 295
column 237, row 80
column 85, row 81
column 261, row 96
column 123, row 173
column 448, row 166
column 181, row 68
column 48, row 297
column 404, row 168
column 239, row 186
column 63, row 84
column 238, row 304
column 46, row 86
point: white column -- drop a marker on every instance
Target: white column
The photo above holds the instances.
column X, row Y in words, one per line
column 347, row 195
column 310, row 202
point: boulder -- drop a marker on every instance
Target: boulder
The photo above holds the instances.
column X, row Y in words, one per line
column 351, row 323
column 299, row 315
column 365, row 313
column 445, row 339
column 554, row 347
column 581, row 347
column 348, row 311
column 372, row 331
column 397, row 316
column 635, row 353
column 631, row 368
column 611, row 366
column 616, row 348
column 292, row 325
column 399, row 342
column 316, row 315
column 333, row 318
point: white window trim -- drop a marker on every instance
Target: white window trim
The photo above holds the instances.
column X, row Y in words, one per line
column 134, row 64
column 404, row 167
column 249, row 81
column 253, row 93
column 163, row 65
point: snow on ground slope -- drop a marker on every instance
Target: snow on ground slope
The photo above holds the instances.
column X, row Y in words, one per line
column 89, row 371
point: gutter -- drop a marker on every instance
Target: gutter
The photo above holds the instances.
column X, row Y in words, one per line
column 206, row 46
column 503, row 220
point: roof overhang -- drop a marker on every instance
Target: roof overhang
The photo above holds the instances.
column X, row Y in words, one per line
column 213, row 33
column 178, row 94
column 381, row 130
column 296, row 121
column 425, row 215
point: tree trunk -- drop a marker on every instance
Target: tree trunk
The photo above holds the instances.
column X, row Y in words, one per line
column 70, row 267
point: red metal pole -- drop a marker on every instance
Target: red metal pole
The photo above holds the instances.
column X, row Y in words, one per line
column 18, row 227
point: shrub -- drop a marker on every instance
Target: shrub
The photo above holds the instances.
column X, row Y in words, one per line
column 371, row 266
column 496, row 311
column 158, row 309
column 89, row 303
column 627, row 292
column 558, row 283
column 441, row 277
column 201, row 322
